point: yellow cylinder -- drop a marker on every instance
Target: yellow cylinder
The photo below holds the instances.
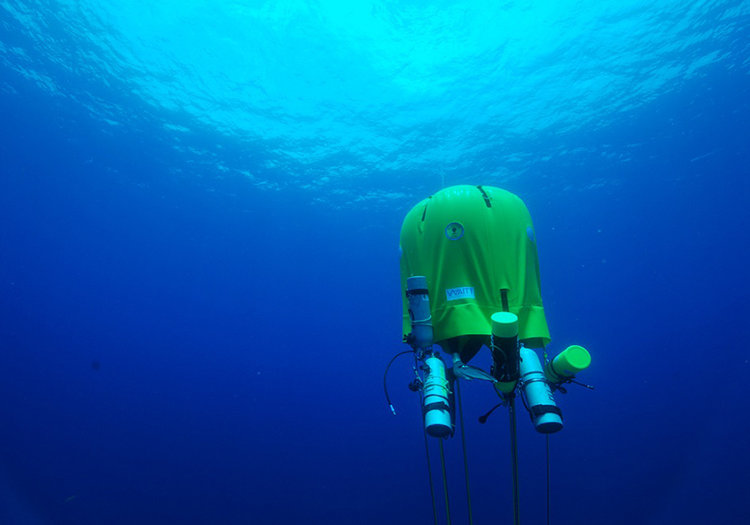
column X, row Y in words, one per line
column 504, row 324
column 568, row 363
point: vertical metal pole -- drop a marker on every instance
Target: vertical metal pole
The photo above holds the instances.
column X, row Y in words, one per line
column 548, row 491
column 466, row 458
column 429, row 476
column 445, row 485
column 514, row 456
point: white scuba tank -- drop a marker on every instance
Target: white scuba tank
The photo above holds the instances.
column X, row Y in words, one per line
column 436, row 390
column 544, row 412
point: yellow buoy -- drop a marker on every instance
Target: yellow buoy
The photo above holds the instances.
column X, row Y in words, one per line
column 567, row 364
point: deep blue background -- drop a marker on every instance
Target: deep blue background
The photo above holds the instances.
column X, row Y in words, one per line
column 242, row 335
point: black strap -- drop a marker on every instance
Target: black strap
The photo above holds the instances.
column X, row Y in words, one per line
column 540, row 410
column 486, row 197
column 504, row 299
column 437, row 405
column 417, row 291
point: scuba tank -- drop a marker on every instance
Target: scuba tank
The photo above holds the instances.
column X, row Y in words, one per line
column 514, row 364
column 504, row 348
column 436, row 399
column 545, row 414
column 435, row 389
column 419, row 312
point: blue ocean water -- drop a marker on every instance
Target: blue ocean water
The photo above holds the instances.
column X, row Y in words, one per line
column 200, row 205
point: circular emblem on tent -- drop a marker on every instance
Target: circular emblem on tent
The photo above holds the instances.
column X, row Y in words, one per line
column 454, row 231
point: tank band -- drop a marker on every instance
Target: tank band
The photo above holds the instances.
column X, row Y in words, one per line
column 439, row 405
column 540, row 410
column 487, row 200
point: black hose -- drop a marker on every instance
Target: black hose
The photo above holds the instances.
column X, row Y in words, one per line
column 385, row 376
column 483, row 418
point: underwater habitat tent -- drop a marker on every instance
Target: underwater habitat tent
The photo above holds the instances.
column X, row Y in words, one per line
column 477, row 247
column 470, row 275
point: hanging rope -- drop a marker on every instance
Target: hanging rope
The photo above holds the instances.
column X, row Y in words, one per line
column 514, row 457
column 548, row 491
column 463, row 443
column 429, row 475
column 445, row 485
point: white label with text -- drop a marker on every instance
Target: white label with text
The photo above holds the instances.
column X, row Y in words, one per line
column 464, row 292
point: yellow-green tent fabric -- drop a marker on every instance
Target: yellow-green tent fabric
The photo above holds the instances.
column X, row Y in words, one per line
column 474, row 244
